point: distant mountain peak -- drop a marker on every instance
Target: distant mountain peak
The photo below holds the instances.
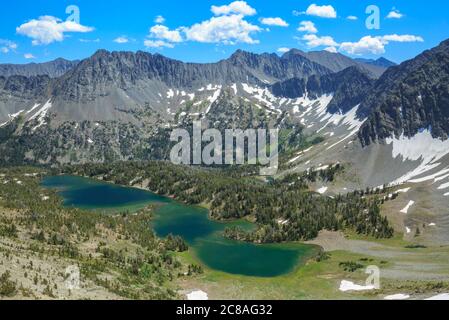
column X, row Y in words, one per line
column 101, row 52
column 336, row 61
column 380, row 62
column 293, row 52
column 53, row 69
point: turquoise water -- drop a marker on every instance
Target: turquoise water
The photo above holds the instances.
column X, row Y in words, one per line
column 203, row 235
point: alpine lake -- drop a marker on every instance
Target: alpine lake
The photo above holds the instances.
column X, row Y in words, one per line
column 203, row 235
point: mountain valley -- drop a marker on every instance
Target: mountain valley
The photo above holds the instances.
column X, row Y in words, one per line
column 363, row 171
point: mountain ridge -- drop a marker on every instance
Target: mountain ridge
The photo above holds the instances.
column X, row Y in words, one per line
column 338, row 62
column 409, row 97
column 53, row 69
column 380, row 62
column 134, row 98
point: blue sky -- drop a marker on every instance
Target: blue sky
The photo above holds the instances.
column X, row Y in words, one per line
column 207, row 31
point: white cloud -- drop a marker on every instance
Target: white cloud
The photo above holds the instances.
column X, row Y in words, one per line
column 159, row 19
column 283, row 50
column 236, row 7
column 376, row 45
column 29, row 56
column 321, row 11
column 307, row 26
column 331, row 49
column 157, row 44
column 367, row 44
column 229, row 29
column 402, row 38
column 7, row 45
column 352, row 18
column 314, row 41
column 394, row 14
column 121, row 40
column 164, row 33
column 48, row 29
column 274, row 22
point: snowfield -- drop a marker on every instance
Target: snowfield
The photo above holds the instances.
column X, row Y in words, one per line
column 322, row 190
column 399, row 296
column 350, row 286
column 443, row 296
column 421, row 147
column 197, row 295
column 408, row 206
column 41, row 114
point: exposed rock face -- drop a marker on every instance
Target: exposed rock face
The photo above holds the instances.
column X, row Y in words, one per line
column 338, row 62
column 53, row 69
column 24, row 87
column 381, row 62
column 124, row 70
column 410, row 97
column 20, row 93
column 269, row 67
column 101, row 85
column 348, row 87
column 291, row 88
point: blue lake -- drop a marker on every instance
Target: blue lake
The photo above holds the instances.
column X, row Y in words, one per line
column 203, row 235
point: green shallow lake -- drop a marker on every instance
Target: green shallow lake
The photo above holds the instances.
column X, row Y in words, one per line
column 192, row 223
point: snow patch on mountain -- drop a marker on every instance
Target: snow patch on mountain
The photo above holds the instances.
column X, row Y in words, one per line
column 234, row 88
column 348, row 119
column 317, row 106
column 442, row 177
column 421, row 147
column 294, row 159
column 197, row 295
column 398, row 296
column 442, row 297
column 213, row 98
column 408, row 206
column 444, row 186
column 12, row 117
column 433, row 176
column 351, row 286
column 322, row 190
column 263, row 95
column 41, row 114
column 33, row 108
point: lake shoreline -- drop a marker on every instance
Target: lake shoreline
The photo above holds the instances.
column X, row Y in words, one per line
column 206, row 239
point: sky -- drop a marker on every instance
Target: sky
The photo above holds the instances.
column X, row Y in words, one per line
column 211, row 30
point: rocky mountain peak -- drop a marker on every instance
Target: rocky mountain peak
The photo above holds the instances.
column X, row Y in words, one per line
column 293, row 52
column 410, row 97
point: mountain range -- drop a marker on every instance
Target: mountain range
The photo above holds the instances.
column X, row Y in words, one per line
column 53, row 69
column 123, row 106
column 128, row 80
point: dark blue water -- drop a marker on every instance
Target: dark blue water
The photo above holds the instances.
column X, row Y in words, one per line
column 203, row 235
